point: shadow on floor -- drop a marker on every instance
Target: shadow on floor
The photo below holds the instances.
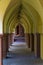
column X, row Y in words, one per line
column 21, row 59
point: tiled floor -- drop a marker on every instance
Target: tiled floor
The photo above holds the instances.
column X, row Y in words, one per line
column 22, row 59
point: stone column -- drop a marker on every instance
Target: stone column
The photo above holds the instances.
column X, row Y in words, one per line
column 10, row 39
column 30, row 41
column 41, row 46
column 1, row 50
column 37, row 44
column 27, row 39
column 5, row 45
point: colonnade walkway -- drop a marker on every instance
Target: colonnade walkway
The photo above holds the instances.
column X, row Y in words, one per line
column 21, row 59
column 20, row 54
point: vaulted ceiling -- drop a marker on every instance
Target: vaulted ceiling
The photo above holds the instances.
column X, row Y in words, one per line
column 41, row 1
column 25, row 12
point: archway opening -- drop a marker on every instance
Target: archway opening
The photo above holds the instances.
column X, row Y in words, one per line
column 19, row 33
column 19, row 30
column 19, row 41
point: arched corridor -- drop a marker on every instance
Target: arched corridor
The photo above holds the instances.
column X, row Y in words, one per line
column 21, row 33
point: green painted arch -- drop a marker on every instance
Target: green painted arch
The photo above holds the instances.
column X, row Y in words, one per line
column 21, row 25
column 28, row 24
column 5, row 27
column 34, row 15
column 28, row 20
column 7, row 15
column 12, row 25
column 11, row 21
column 27, row 27
column 15, row 22
column 29, row 14
column 13, row 14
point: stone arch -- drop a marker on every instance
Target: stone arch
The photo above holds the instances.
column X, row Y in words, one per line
column 28, row 15
column 19, row 29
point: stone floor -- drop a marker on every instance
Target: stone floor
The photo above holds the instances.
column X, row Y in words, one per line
column 24, row 58
column 21, row 59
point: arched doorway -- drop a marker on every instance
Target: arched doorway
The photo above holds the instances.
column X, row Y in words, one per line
column 19, row 32
column 19, row 38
